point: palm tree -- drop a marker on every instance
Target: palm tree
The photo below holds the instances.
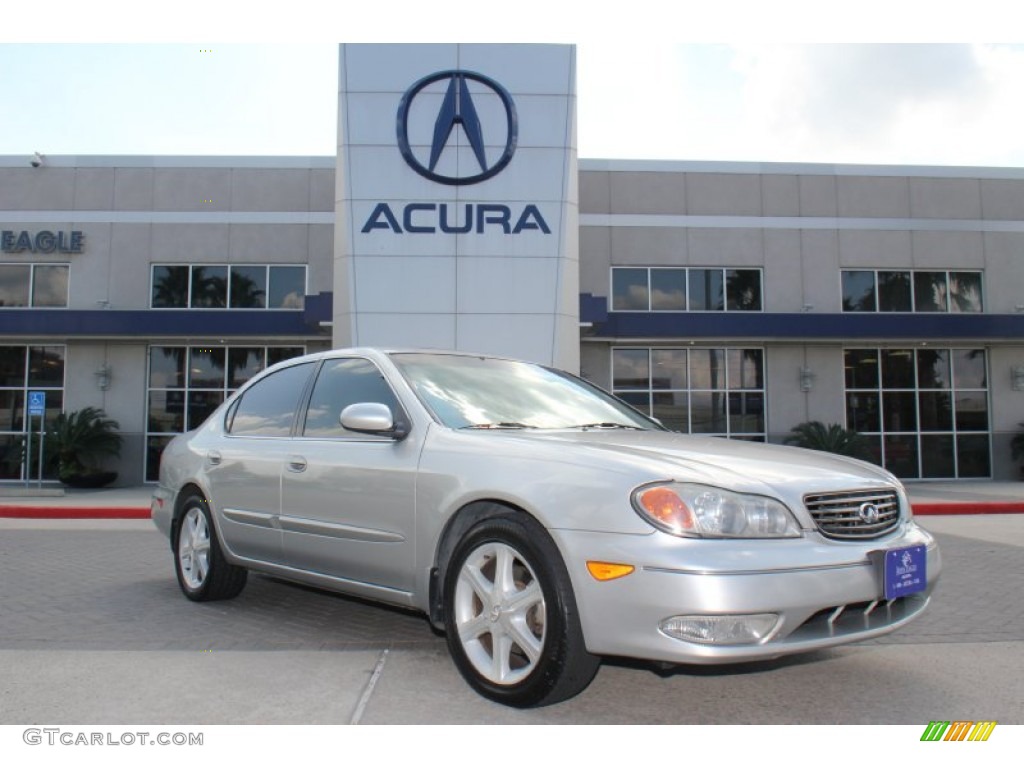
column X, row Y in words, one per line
column 831, row 438
column 80, row 439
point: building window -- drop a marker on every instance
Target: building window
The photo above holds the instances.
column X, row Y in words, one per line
column 236, row 286
column 923, row 411
column 884, row 290
column 24, row 369
column 33, row 285
column 186, row 384
column 678, row 289
column 717, row 391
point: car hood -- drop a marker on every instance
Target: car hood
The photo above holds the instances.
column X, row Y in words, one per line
column 736, row 464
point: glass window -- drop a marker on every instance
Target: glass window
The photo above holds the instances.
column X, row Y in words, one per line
column 12, row 366
column 46, row 367
column 267, row 409
column 218, row 286
column 707, row 369
column 166, row 410
column 248, row 286
column 858, row 291
column 629, row 290
column 861, row 368
column 706, row 290
column 14, row 284
column 969, row 369
column 287, row 287
column 933, row 414
column 965, row 292
column 930, row 292
column 668, row 289
column 206, row 367
column 933, row 369
column 911, row 291
column 706, row 391
column 277, row 355
column 672, row 409
column 668, row 368
column 342, row 383
column 167, row 367
column 24, row 368
column 243, row 364
column 898, row 369
column 170, row 287
column 631, row 369
column 50, row 285
column 209, row 287
column 743, row 287
column 894, row 292
column 972, row 454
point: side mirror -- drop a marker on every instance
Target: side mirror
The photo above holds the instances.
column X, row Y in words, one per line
column 372, row 419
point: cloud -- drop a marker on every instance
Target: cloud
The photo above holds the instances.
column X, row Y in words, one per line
column 908, row 104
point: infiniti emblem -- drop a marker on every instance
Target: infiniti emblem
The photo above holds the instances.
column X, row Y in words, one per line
column 458, row 109
column 868, row 513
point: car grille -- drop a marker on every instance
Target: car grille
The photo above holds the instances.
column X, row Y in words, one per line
column 848, row 514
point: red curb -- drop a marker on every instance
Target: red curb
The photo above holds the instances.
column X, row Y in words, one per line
column 968, row 508
column 76, row 513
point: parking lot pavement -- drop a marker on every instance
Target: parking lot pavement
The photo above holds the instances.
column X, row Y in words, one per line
column 95, row 630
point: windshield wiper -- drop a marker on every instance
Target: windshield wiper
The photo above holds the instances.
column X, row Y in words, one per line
column 500, row 425
column 606, row 425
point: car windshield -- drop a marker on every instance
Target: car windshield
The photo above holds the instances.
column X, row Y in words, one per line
column 485, row 393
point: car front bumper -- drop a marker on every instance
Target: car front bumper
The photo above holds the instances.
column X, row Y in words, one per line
column 824, row 593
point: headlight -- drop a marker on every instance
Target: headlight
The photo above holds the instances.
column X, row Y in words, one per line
column 702, row 511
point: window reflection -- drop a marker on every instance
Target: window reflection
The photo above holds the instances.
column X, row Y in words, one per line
column 934, row 402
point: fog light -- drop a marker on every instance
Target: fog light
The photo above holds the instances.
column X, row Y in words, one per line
column 721, row 630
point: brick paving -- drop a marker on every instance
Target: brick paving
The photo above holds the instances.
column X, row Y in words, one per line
column 116, row 590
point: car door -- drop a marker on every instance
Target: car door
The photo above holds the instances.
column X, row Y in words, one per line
column 347, row 506
column 243, row 468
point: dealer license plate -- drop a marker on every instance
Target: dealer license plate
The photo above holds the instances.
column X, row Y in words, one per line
column 904, row 571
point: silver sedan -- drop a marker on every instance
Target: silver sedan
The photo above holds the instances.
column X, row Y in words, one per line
column 538, row 521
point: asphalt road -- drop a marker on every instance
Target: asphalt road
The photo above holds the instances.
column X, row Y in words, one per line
column 93, row 630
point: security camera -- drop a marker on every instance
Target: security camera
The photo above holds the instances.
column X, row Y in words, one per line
column 37, row 160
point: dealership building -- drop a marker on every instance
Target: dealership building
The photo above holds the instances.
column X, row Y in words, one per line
column 730, row 299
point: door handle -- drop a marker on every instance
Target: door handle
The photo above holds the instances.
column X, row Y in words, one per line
column 214, row 457
column 296, row 464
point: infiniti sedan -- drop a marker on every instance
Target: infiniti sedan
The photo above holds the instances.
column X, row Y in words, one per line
column 539, row 522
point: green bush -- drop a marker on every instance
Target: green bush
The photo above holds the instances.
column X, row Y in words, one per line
column 76, row 442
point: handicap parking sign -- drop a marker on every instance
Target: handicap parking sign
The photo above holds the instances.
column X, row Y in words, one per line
column 36, row 403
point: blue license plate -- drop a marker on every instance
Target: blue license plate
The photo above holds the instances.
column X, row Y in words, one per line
column 905, row 571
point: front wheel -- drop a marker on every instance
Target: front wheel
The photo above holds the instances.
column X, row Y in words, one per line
column 510, row 615
column 203, row 573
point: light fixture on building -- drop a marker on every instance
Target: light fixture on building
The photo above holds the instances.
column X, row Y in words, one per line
column 37, row 160
column 103, row 375
column 1017, row 378
column 807, row 377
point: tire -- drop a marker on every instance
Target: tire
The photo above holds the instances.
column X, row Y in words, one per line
column 510, row 615
column 203, row 573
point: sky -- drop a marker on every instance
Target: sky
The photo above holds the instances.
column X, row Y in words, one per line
column 665, row 81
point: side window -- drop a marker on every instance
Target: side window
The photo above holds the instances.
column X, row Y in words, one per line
column 267, row 409
column 340, row 384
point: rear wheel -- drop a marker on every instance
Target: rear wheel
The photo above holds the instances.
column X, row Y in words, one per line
column 203, row 573
column 511, row 620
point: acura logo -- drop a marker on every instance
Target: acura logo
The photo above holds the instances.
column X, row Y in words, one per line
column 868, row 513
column 458, row 108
